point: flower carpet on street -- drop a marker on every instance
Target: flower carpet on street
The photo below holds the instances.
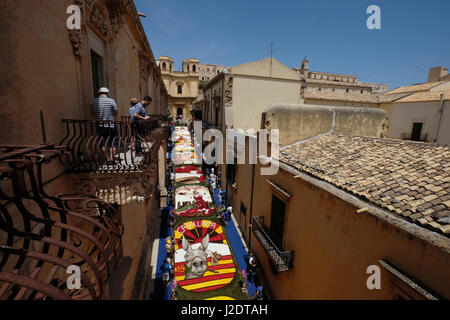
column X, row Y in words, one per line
column 204, row 264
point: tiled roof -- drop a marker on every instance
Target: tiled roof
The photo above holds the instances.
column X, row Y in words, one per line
column 426, row 96
column 385, row 98
column 416, row 88
column 408, row 179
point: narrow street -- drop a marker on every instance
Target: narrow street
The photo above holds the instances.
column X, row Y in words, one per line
column 159, row 254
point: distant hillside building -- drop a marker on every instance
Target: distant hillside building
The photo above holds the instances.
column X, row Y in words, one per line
column 334, row 82
column 209, row 71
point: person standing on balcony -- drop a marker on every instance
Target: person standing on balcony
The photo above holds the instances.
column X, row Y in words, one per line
column 134, row 102
column 140, row 113
column 105, row 109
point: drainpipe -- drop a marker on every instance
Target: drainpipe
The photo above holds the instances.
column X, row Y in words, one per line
column 442, row 101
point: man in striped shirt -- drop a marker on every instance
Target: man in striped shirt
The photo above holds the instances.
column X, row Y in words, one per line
column 105, row 109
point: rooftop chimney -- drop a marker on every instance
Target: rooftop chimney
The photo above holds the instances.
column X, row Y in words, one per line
column 437, row 74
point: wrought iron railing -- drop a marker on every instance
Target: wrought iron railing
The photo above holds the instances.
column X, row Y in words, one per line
column 41, row 235
column 280, row 260
column 109, row 145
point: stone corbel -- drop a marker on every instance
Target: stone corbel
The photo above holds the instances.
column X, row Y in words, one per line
column 75, row 40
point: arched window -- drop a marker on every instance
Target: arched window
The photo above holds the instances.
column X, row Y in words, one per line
column 194, row 68
column 187, row 67
column 164, row 66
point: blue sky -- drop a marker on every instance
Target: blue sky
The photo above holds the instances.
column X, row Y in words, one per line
column 414, row 35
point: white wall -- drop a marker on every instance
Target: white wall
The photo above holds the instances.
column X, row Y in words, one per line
column 405, row 114
column 251, row 96
column 444, row 128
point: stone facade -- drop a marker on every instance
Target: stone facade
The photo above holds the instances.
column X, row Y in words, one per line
column 182, row 86
column 208, row 71
column 333, row 82
column 53, row 73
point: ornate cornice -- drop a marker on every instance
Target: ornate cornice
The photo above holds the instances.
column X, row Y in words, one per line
column 132, row 12
column 99, row 18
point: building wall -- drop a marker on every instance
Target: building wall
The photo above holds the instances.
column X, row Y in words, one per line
column 188, row 81
column 43, row 68
column 405, row 114
column 443, row 136
column 213, row 99
column 208, row 71
column 252, row 95
column 337, row 88
column 35, row 76
column 40, row 70
column 298, row 122
column 129, row 70
column 340, row 103
column 334, row 245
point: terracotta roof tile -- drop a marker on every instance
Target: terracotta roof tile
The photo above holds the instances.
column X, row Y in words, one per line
column 426, row 96
column 409, row 179
column 416, row 87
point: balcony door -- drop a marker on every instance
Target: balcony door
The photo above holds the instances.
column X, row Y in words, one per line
column 277, row 219
column 416, row 131
column 98, row 74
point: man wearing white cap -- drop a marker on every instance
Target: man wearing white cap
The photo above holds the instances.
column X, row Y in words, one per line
column 104, row 109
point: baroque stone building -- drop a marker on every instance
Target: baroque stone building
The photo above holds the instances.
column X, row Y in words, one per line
column 333, row 82
column 53, row 73
column 182, row 86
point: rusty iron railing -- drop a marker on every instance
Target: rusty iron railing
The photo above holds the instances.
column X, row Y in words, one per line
column 99, row 146
column 280, row 260
column 42, row 235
